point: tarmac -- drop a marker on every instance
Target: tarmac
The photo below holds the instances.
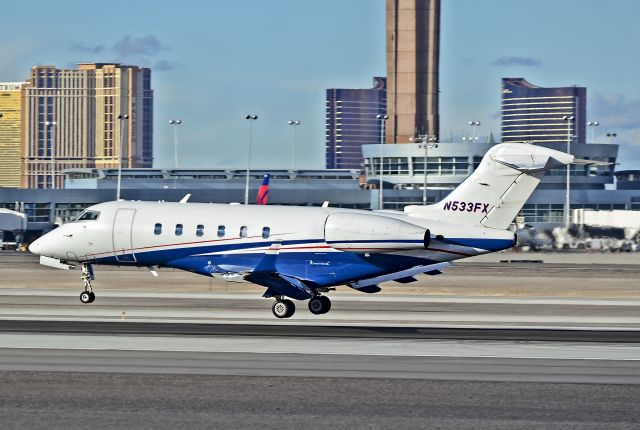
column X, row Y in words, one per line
column 488, row 344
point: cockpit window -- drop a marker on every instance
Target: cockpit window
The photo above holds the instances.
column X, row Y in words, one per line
column 88, row 216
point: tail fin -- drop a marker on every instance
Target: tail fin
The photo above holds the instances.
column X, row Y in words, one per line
column 263, row 191
column 496, row 191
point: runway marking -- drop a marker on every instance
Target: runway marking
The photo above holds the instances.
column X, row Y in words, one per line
column 323, row 346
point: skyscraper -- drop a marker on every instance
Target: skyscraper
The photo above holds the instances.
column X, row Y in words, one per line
column 535, row 114
column 351, row 122
column 10, row 133
column 413, row 55
column 71, row 120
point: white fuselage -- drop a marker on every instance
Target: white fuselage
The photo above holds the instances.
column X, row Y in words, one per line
column 218, row 238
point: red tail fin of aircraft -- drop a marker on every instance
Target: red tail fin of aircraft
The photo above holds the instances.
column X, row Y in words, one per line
column 263, row 192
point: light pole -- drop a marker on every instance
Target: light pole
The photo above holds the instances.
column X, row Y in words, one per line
column 123, row 120
column 593, row 125
column 175, row 123
column 49, row 144
column 383, row 119
column 251, row 119
column 426, row 142
column 474, row 125
column 567, row 196
column 611, row 136
column 294, row 124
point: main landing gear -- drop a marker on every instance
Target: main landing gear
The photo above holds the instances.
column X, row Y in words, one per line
column 87, row 296
column 285, row 308
column 319, row 305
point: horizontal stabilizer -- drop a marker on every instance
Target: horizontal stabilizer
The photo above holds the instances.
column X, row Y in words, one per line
column 583, row 162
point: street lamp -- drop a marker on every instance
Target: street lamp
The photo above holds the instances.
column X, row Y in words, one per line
column 49, row 145
column 611, row 136
column 426, row 142
column 593, row 125
column 123, row 118
column 294, row 124
column 175, row 123
column 382, row 119
column 567, row 202
column 251, row 119
column 474, row 125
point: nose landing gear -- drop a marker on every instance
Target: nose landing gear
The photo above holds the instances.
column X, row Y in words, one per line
column 87, row 296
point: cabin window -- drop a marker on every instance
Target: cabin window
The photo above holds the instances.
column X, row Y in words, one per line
column 88, row 216
column 220, row 231
column 265, row 232
column 158, row 228
column 178, row 229
column 243, row 231
column 200, row 230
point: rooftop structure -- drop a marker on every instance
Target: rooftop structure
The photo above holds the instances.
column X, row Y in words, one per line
column 351, row 122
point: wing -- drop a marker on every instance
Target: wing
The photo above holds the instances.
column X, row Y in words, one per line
column 371, row 285
column 266, row 274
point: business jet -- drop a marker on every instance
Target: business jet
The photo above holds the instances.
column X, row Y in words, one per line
column 303, row 253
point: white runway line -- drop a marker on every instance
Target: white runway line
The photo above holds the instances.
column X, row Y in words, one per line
column 320, row 346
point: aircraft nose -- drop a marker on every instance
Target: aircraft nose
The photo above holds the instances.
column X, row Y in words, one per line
column 36, row 246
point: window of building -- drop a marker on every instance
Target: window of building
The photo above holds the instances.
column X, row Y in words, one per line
column 199, row 230
column 157, row 229
column 243, row 231
column 179, row 229
column 266, row 231
column 220, row 231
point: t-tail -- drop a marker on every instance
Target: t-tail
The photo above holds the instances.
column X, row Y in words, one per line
column 263, row 191
column 498, row 189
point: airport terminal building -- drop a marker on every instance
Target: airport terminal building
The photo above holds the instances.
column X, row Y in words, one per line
column 402, row 175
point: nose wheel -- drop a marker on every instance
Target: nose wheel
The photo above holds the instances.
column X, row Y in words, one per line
column 87, row 296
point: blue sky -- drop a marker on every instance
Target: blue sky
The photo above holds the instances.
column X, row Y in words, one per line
column 216, row 61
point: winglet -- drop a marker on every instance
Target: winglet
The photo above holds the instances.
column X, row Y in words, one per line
column 185, row 198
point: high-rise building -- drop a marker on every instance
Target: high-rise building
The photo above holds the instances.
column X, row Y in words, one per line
column 413, row 55
column 535, row 114
column 10, row 133
column 351, row 123
column 71, row 120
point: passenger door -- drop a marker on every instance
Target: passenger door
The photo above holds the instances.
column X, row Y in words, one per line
column 122, row 235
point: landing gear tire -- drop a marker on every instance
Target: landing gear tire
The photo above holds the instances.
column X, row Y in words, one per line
column 283, row 308
column 319, row 305
column 87, row 297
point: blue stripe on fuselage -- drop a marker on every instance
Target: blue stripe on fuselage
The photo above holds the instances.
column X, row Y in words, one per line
column 323, row 268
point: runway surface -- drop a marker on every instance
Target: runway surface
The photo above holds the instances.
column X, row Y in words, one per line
column 79, row 374
column 553, row 346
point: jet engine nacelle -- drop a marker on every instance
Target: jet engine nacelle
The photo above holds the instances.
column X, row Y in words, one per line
column 362, row 233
